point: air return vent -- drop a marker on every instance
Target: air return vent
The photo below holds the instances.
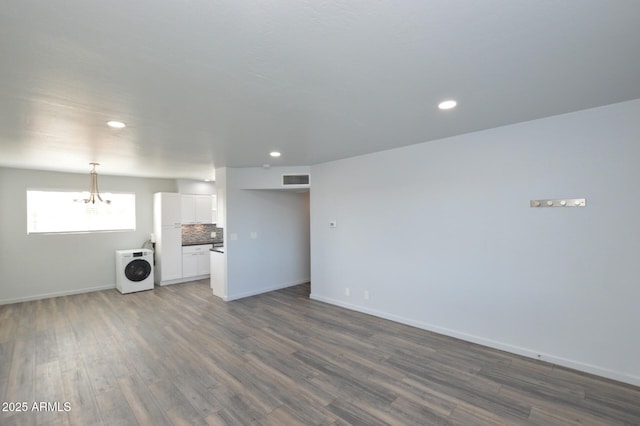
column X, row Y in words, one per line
column 295, row 180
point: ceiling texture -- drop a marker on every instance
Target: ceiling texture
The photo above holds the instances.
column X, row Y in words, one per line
column 214, row 83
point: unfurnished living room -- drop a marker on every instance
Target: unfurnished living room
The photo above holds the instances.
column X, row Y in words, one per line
column 233, row 212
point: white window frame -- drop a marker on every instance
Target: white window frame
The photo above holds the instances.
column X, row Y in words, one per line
column 50, row 214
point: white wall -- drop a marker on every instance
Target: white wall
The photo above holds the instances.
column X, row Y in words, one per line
column 38, row 266
column 442, row 236
column 261, row 178
column 199, row 187
column 279, row 256
column 221, row 197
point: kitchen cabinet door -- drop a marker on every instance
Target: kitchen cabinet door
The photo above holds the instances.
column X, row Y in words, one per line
column 203, row 209
column 204, row 263
column 170, row 255
column 167, row 209
column 188, row 208
column 195, row 260
column 196, row 209
column 190, row 265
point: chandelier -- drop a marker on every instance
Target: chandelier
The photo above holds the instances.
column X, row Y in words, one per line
column 94, row 193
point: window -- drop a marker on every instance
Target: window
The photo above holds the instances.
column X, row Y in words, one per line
column 66, row 212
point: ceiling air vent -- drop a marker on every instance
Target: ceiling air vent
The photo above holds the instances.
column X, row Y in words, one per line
column 295, row 180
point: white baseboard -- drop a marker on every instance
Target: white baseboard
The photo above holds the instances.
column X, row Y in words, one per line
column 529, row 353
column 55, row 294
column 229, row 298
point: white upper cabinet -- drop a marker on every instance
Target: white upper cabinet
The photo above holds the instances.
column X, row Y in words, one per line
column 203, row 209
column 196, row 208
column 167, row 209
column 188, row 208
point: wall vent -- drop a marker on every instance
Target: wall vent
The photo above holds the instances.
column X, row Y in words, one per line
column 299, row 180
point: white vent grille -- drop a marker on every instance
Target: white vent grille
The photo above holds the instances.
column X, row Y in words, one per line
column 295, row 180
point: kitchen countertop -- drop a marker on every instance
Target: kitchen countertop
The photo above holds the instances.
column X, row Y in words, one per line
column 201, row 243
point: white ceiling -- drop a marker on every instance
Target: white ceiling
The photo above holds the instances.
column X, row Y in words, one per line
column 204, row 83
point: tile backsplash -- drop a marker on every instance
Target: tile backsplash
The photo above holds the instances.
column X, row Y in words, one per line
column 201, row 234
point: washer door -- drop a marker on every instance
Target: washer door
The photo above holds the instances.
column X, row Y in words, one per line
column 137, row 270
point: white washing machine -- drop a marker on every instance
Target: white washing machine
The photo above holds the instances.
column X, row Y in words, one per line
column 134, row 270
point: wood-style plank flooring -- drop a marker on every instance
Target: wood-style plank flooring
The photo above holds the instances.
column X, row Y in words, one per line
column 178, row 355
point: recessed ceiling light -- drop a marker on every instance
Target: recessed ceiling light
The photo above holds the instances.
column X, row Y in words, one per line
column 116, row 124
column 448, row 104
column 275, row 154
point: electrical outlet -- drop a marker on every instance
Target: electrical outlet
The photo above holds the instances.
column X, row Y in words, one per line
column 233, row 236
column 213, row 234
column 254, row 235
column 366, row 295
column 347, row 292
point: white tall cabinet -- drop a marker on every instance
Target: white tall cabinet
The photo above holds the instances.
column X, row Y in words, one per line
column 168, row 233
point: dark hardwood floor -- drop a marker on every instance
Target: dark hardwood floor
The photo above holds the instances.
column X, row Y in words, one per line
column 178, row 355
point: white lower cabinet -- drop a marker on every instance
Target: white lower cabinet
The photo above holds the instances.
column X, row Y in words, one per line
column 195, row 260
column 189, row 265
column 204, row 263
